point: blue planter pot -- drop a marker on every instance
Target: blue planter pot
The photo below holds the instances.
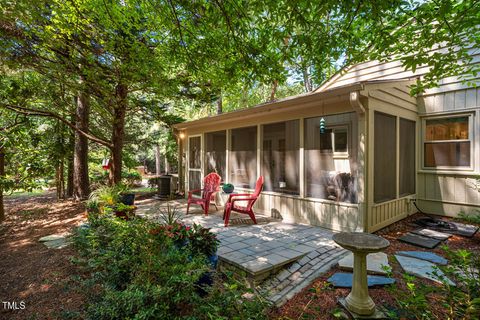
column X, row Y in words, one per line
column 203, row 283
column 213, row 259
column 127, row 199
column 228, row 189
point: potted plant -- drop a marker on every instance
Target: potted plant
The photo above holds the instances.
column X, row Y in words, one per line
column 203, row 241
column 228, row 188
column 124, row 211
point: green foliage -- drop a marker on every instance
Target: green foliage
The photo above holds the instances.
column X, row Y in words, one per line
column 203, row 241
column 138, row 273
column 470, row 218
column 170, row 214
column 459, row 301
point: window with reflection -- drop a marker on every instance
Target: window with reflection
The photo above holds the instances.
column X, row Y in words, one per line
column 280, row 165
column 447, row 142
column 243, row 157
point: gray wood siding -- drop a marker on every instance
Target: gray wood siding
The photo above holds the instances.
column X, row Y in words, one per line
column 393, row 70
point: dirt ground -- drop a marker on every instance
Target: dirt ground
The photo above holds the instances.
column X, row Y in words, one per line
column 39, row 282
column 35, row 280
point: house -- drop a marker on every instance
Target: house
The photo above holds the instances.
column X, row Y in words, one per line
column 357, row 154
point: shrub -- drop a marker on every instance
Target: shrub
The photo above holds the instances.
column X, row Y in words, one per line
column 471, row 218
column 460, row 301
column 131, row 178
column 137, row 272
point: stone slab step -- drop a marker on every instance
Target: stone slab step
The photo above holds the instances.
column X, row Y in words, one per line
column 465, row 230
column 344, row 280
column 432, row 234
column 420, row 241
column 421, row 268
column 376, row 263
column 424, row 255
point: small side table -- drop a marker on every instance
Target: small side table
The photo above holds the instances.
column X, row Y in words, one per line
column 361, row 244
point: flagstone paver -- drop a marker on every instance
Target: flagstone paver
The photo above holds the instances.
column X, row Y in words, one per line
column 424, row 255
column 376, row 262
column 421, row 268
column 289, row 256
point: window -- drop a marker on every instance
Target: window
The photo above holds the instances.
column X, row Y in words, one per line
column 334, row 140
column 280, row 165
column 243, row 157
column 385, row 157
column 447, row 142
column 327, row 161
column 216, row 152
column 407, row 157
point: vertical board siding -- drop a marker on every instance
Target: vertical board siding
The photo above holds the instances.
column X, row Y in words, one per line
column 449, row 101
column 449, row 188
column 387, row 213
column 328, row 214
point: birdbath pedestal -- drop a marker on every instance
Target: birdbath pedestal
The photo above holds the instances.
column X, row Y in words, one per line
column 361, row 244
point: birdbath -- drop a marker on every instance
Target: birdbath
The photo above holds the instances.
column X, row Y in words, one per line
column 361, row 244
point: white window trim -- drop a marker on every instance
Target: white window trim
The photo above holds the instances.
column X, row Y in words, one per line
column 335, row 154
column 471, row 136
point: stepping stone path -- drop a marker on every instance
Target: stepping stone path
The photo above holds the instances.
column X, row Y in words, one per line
column 419, row 241
column 421, row 268
column 344, row 280
column 376, row 262
column 424, row 255
column 55, row 241
column 465, row 230
column 432, row 234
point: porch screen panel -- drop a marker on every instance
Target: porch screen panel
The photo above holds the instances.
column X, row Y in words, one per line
column 243, row 157
column 194, row 163
column 385, row 157
column 216, row 153
column 194, row 153
column 280, row 163
column 407, row 157
column 195, row 181
column 329, row 157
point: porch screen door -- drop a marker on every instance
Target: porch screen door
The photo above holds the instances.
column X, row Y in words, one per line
column 195, row 163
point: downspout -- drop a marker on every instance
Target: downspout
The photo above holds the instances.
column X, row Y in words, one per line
column 360, row 109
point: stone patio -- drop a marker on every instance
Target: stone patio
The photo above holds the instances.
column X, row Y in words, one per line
column 284, row 258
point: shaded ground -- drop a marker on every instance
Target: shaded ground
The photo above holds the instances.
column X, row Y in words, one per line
column 31, row 273
column 319, row 300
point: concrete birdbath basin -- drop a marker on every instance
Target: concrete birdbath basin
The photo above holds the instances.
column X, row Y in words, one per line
column 361, row 244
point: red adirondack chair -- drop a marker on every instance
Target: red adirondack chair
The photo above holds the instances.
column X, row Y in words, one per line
column 211, row 184
column 249, row 198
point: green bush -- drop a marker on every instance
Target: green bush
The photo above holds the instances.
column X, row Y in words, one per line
column 460, row 301
column 137, row 272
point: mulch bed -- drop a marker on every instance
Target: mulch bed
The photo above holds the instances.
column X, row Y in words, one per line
column 32, row 276
column 319, row 300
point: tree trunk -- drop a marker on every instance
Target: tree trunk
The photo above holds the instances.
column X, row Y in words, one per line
column 81, row 183
column 274, row 90
column 158, row 160
column 118, row 133
column 2, row 175
column 60, row 180
column 167, row 165
column 71, row 146
column 306, row 80
column 219, row 105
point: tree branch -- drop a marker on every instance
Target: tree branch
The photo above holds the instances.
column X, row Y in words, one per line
column 41, row 113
